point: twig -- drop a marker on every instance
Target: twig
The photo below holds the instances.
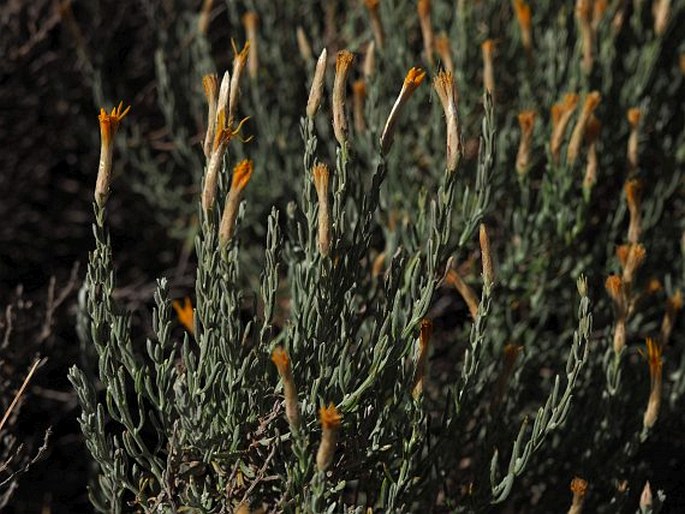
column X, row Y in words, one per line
column 9, row 410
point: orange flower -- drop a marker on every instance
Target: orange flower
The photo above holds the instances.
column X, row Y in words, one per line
column 412, row 81
column 614, row 286
column 109, row 123
column 280, row 358
column 330, row 422
column 185, row 314
column 242, row 174
column 523, row 14
column 655, row 362
column 329, row 417
column 634, row 114
column 414, row 78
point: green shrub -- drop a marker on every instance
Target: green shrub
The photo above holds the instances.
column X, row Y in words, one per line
column 343, row 275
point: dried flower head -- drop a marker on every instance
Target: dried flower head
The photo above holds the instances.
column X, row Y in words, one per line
column 590, row 104
column 634, row 114
column 329, row 418
column 526, row 121
column 109, row 125
column 486, row 257
column 292, row 408
column 280, row 358
column 242, row 172
column 584, row 14
column 321, row 177
column 109, row 122
column 622, row 252
column 425, row 333
column 579, row 486
column 614, row 286
column 523, row 16
column 633, row 189
column 412, row 81
column 561, row 115
column 636, row 256
column 655, row 362
column 487, row 48
column 343, row 62
column 445, row 87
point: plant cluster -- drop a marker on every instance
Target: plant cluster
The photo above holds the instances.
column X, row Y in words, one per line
column 436, row 251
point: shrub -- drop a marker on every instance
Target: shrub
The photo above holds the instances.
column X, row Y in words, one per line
column 337, row 353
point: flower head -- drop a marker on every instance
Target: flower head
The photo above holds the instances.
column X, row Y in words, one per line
column 579, row 486
column 614, row 286
column 526, row 120
column 280, row 358
column 185, row 313
column 634, row 114
column 414, row 78
column 523, row 14
column 412, row 81
column 343, row 62
column 109, row 122
column 633, row 188
column 329, row 417
column 242, row 172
